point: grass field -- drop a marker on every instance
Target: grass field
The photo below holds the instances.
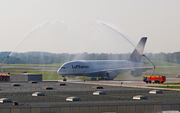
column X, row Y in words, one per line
column 49, row 65
column 171, row 84
column 175, row 87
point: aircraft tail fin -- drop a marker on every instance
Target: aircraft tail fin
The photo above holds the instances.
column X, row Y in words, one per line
column 138, row 51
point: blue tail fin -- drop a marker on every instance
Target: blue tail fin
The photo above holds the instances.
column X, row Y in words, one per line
column 138, row 51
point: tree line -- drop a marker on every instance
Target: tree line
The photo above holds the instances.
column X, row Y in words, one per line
column 50, row 58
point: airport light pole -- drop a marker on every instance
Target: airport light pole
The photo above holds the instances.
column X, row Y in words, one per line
column 3, row 63
column 151, row 63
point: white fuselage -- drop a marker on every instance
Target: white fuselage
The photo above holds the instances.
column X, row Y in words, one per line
column 88, row 67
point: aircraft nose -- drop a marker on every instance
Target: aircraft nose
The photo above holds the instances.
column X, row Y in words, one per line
column 59, row 71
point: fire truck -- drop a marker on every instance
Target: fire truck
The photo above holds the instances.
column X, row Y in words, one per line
column 154, row 79
column 4, row 77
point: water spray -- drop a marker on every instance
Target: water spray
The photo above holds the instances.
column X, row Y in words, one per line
column 44, row 27
column 112, row 28
column 3, row 63
column 151, row 63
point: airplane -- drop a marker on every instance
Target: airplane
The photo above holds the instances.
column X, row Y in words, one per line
column 106, row 69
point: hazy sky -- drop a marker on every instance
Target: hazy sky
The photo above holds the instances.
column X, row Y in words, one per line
column 159, row 20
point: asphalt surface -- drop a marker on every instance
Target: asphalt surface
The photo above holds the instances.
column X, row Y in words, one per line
column 133, row 83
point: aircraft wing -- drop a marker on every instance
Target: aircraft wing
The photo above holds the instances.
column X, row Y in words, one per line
column 123, row 70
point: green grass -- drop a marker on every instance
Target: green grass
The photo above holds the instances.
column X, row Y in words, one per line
column 164, row 66
column 171, row 84
column 18, row 70
column 161, row 63
column 175, row 87
column 54, row 65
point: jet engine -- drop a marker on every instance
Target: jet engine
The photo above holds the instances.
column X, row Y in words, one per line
column 111, row 74
column 136, row 72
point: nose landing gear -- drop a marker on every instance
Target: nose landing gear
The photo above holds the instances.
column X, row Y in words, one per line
column 64, row 79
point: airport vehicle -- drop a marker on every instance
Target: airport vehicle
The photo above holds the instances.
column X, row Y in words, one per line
column 4, row 77
column 154, row 79
column 177, row 76
column 106, row 69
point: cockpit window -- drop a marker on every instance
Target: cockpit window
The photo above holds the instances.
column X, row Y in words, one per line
column 63, row 68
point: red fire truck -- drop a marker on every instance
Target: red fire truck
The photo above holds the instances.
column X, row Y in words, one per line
column 4, row 77
column 154, row 79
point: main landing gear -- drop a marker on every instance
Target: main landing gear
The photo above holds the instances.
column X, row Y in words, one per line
column 93, row 78
column 102, row 78
column 106, row 78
